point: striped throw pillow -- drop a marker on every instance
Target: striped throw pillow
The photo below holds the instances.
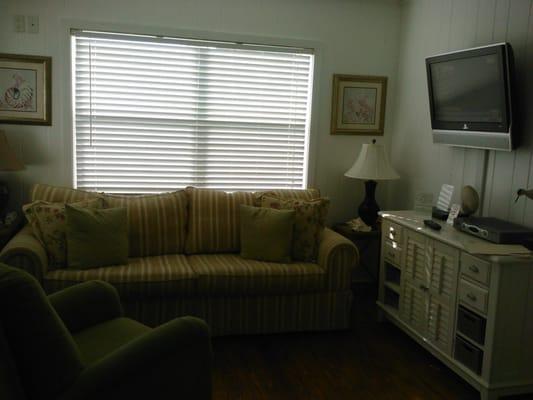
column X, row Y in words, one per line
column 156, row 223
column 287, row 194
column 214, row 220
column 58, row 194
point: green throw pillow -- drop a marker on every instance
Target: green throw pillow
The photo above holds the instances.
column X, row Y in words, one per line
column 266, row 234
column 309, row 223
column 96, row 238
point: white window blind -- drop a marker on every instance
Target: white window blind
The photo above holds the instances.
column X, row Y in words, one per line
column 156, row 114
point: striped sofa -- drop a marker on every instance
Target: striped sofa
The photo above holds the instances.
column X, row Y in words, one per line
column 184, row 260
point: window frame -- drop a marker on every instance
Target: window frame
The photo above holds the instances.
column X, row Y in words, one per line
column 69, row 93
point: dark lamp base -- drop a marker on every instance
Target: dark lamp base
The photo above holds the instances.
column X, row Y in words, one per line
column 368, row 210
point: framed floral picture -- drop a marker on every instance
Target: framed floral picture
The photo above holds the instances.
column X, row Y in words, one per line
column 25, row 95
column 358, row 106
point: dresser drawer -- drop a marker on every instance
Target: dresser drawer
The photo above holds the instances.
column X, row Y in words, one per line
column 471, row 325
column 392, row 252
column 468, row 355
column 393, row 232
column 473, row 296
column 475, row 268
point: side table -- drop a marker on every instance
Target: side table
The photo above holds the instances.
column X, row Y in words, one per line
column 8, row 231
column 368, row 244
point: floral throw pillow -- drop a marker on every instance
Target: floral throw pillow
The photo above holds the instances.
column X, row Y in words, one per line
column 309, row 223
column 48, row 221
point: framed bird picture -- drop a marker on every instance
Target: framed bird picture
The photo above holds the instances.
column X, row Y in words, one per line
column 25, row 89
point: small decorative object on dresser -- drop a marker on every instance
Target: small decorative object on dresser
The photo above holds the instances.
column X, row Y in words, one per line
column 469, row 200
column 358, row 106
column 471, row 309
column 372, row 164
column 25, row 89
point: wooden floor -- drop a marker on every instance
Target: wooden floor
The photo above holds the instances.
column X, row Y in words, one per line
column 370, row 361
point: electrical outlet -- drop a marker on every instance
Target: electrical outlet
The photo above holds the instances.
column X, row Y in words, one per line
column 20, row 23
column 33, row 24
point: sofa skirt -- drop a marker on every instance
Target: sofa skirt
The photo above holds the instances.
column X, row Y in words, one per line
column 237, row 315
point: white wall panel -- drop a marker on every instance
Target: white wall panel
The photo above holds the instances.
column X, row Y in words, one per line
column 431, row 27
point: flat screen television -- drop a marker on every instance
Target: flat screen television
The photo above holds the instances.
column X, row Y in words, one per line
column 470, row 97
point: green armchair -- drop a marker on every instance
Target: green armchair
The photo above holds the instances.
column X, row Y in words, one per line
column 76, row 344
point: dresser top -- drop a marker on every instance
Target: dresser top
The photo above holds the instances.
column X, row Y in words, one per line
column 448, row 234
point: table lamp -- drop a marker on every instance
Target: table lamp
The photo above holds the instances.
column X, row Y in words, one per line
column 372, row 165
column 8, row 162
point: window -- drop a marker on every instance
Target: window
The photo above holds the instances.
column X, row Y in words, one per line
column 155, row 114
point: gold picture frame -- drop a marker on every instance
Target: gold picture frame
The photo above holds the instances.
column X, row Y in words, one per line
column 358, row 105
column 25, row 89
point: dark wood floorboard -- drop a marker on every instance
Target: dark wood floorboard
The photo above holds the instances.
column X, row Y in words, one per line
column 370, row 361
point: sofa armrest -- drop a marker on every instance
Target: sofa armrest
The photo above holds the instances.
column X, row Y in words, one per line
column 26, row 252
column 338, row 256
column 86, row 304
column 172, row 361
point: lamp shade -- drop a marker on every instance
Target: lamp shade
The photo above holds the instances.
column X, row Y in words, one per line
column 8, row 159
column 372, row 164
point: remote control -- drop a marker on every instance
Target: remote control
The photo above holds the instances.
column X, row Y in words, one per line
column 432, row 224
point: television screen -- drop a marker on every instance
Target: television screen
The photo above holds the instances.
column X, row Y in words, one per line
column 468, row 90
column 470, row 97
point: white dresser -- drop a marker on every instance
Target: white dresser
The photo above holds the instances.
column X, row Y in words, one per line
column 474, row 313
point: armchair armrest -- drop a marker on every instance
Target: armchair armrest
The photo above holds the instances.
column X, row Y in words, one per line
column 86, row 304
column 26, row 252
column 172, row 361
column 338, row 256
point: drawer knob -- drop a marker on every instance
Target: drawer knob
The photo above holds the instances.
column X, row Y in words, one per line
column 474, row 269
column 471, row 296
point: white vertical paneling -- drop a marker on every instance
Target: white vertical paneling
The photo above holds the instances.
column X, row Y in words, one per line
column 458, row 39
column 502, row 173
column 484, row 35
column 517, row 34
column 470, row 168
column 445, row 154
column 485, row 21
column 528, row 122
column 456, row 24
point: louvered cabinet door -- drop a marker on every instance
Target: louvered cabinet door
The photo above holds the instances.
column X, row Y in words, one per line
column 414, row 307
column 416, row 259
column 444, row 267
column 440, row 324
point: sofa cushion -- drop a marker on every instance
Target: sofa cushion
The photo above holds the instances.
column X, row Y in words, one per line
column 156, row 223
column 229, row 274
column 214, row 225
column 286, row 194
column 58, row 194
column 159, row 276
